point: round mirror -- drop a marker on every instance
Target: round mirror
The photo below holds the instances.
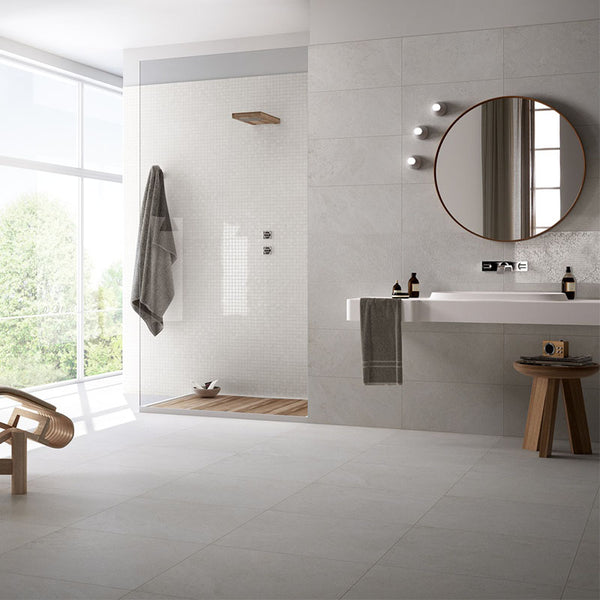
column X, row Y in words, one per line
column 509, row 168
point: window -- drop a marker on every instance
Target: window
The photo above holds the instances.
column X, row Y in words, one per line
column 60, row 227
column 546, row 163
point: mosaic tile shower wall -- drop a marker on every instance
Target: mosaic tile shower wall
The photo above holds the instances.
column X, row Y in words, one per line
column 242, row 314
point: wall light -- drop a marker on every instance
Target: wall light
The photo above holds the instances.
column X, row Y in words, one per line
column 414, row 162
column 421, row 132
column 439, row 108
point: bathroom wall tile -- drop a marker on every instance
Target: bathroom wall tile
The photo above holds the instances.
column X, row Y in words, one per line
column 585, row 215
column 445, row 256
column 417, row 101
column 452, row 357
column 327, row 304
column 463, row 56
column 456, row 407
column 334, row 353
column 418, row 326
column 579, row 249
column 367, row 209
column 355, row 161
column 564, row 331
column 352, row 65
column 516, row 404
column 590, row 138
column 354, row 257
column 551, row 49
column 347, row 401
column 349, row 113
column 573, row 94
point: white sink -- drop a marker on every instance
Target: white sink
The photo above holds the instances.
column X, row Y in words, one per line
column 510, row 296
column 541, row 308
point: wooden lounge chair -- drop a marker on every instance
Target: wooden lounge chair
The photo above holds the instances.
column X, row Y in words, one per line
column 54, row 429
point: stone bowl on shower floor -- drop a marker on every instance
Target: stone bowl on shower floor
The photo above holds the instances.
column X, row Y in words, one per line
column 207, row 393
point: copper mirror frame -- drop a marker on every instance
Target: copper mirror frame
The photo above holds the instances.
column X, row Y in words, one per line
column 452, row 128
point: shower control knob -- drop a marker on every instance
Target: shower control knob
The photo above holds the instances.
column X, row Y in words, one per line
column 267, row 249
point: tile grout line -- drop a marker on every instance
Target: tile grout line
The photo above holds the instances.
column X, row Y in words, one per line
column 579, row 545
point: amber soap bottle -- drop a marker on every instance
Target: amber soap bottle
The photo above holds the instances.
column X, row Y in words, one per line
column 413, row 286
column 568, row 284
column 396, row 290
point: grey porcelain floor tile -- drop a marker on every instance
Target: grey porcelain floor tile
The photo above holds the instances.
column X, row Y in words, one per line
column 300, row 447
column 592, row 529
column 217, row 572
column 484, row 555
column 564, row 466
column 357, row 503
column 526, row 487
column 396, row 583
column 508, row 517
column 572, row 593
column 169, row 520
column 141, row 595
column 24, row 587
column 585, row 573
column 311, row 535
column 433, row 456
column 14, row 534
column 226, row 490
column 282, row 468
column 416, row 480
column 429, row 439
column 167, row 458
column 104, row 477
column 94, row 557
column 54, row 508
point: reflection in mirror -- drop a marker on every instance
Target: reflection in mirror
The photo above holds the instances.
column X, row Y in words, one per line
column 509, row 168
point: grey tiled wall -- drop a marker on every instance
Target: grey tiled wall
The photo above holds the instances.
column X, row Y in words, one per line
column 372, row 221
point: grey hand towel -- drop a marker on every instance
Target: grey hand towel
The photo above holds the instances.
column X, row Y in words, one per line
column 381, row 340
column 153, row 289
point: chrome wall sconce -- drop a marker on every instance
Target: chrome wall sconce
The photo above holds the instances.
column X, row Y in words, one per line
column 421, row 132
column 439, row 108
column 414, row 162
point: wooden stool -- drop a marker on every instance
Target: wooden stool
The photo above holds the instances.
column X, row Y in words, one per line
column 539, row 429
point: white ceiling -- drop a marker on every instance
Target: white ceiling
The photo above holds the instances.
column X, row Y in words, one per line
column 95, row 32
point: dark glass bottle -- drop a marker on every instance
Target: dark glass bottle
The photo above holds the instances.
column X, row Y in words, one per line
column 413, row 286
column 568, row 284
column 396, row 290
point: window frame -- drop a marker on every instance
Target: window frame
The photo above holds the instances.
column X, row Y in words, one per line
column 81, row 174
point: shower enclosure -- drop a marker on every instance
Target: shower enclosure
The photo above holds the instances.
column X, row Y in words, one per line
column 237, row 198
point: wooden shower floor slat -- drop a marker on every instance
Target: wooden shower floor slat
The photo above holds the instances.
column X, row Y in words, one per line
column 241, row 404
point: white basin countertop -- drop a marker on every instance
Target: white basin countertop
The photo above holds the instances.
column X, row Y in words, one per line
column 536, row 308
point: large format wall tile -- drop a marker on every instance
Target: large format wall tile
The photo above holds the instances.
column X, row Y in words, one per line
column 352, row 65
column 551, row 49
column 349, row 113
column 457, row 377
column 463, row 56
column 456, row 407
column 458, row 96
column 334, row 353
column 354, row 161
column 347, row 401
column 573, row 94
column 452, row 357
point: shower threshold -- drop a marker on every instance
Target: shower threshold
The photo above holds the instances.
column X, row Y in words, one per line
column 238, row 404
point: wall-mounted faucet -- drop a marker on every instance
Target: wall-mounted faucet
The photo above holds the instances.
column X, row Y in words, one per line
column 503, row 266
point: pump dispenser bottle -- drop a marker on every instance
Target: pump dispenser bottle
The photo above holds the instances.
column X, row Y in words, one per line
column 568, row 284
